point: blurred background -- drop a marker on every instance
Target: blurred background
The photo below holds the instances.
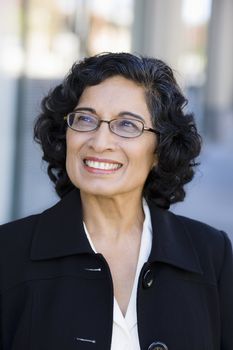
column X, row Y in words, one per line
column 39, row 41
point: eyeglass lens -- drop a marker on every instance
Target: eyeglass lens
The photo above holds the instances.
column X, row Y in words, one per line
column 125, row 127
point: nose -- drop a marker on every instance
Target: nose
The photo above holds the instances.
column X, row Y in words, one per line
column 102, row 139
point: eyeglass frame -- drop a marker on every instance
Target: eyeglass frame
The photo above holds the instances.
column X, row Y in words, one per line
column 144, row 128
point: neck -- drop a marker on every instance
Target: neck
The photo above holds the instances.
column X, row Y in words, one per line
column 112, row 218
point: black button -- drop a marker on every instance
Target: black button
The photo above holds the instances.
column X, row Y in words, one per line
column 148, row 278
column 158, row 346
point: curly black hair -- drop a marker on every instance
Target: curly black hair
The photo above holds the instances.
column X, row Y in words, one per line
column 178, row 142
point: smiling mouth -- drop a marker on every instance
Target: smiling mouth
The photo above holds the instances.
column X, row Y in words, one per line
column 102, row 165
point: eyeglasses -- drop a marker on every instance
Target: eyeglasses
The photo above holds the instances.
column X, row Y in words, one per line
column 123, row 127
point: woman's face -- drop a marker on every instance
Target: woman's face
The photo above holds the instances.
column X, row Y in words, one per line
column 100, row 162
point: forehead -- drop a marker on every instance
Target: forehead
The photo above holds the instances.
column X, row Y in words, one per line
column 114, row 95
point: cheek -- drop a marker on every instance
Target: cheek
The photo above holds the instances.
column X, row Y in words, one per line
column 71, row 153
column 69, row 157
column 144, row 159
column 70, row 150
column 72, row 143
column 148, row 155
column 69, row 163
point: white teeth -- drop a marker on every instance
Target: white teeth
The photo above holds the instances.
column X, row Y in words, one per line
column 102, row 165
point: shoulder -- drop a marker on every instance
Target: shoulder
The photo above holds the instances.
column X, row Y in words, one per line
column 193, row 241
column 211, row 244
column 15, row 243
column 17, row 227
column 196, row 225
column 16, row 236
column 201, row 232
column 23, row 228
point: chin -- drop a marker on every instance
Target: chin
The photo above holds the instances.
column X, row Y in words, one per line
column 100, row 192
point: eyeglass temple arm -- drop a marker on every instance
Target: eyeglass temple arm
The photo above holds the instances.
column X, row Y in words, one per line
column 152, row 130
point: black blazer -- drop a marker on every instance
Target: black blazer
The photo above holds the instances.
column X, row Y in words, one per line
column 56, row 294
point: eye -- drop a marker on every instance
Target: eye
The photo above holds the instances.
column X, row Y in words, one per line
column 84, row 122
column 129, row 124
column 84, row 118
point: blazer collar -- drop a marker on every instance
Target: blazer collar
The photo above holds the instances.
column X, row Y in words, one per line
column 59, row 232
column 171, row 242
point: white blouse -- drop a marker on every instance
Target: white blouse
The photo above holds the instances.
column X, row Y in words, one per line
column 125, row 332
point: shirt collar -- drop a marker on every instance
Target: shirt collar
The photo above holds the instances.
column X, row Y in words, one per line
column 59, row 232
column 144, row 252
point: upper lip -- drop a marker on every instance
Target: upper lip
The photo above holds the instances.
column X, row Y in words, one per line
column 101, row 160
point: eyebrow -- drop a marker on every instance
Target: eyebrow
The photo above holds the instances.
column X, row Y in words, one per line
column 92, row 110
column 88, row 109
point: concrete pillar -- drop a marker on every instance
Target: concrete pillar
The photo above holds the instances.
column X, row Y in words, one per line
column 158, row 29
column 219, row 85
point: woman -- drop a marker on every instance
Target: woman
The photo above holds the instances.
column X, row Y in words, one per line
column 109, row 267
